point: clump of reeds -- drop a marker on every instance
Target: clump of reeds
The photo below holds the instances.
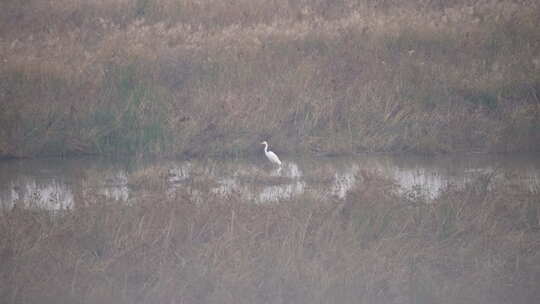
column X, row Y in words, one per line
column 475, row 245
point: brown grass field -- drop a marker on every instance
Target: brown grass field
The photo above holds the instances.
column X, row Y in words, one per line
column 480, row 245
column 213, row 77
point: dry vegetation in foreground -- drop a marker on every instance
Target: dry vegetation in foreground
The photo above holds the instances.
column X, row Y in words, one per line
column 477, row 245
column 213, row 76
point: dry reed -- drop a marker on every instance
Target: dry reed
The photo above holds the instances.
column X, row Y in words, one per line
column 213, row 77
column 475, row 245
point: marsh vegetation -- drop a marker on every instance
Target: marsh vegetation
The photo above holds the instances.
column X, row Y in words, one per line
column 320, row 231
column 207, row 81
column 217, row 77
column 477, row 244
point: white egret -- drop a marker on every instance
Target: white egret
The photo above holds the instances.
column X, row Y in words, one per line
column 271, row 155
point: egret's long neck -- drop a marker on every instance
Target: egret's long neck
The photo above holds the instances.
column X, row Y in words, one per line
column 265, row 147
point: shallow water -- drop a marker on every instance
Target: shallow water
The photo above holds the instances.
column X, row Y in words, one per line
column 57, row 184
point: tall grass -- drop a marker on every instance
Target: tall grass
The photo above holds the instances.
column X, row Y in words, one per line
column 214, row 77
column 475, row 245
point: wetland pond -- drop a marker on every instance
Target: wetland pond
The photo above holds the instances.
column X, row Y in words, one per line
column 62, row 183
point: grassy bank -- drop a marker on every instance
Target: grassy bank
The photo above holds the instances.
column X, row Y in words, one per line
column 475, row 245
column 215, row 77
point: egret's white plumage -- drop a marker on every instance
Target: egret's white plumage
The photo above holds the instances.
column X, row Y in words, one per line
column 271, row 155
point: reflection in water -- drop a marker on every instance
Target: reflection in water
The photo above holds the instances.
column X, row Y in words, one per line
column 60, row 184
column 53, row 195
column 115, row 186
column 281, row 192
column 344, row 181
column 432, row 183
column 291, row 170
column 179, row 172
column 226, row 186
